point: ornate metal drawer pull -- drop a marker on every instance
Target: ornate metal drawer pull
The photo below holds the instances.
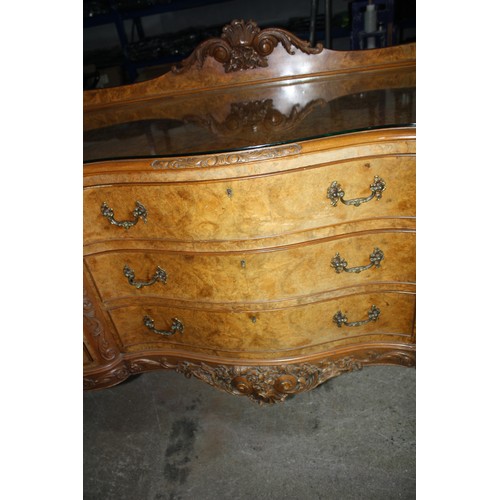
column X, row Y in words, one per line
column 139, row 212
column 160, row 275
column 177, row 326
column 341, row 319
column 335, row 193
column 341, row 265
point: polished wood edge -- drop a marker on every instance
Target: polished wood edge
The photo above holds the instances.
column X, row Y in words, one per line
column 226, row 107
column 257, row 161
column 245, row 55
column 264, row 305
column 262, row 382
column 289, row 241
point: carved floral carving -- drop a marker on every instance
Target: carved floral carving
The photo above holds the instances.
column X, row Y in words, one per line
column 243, row 45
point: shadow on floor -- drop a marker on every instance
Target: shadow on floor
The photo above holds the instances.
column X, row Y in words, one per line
column 164, row 437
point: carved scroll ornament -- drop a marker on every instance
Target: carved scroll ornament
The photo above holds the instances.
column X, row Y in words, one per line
column 243, row 45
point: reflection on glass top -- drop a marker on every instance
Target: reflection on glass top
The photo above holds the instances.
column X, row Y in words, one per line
column 224, row 121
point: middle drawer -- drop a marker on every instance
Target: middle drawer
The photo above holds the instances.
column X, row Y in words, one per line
column 275, row 273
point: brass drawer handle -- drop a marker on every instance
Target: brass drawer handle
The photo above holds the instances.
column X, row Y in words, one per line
column 339, row 264
column 335, row 193
column 341, row 319
column 139, row 212
column 177, row 326
column 160, row 275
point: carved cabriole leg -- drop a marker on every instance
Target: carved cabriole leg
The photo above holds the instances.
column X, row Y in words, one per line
column 264, row 384
column 94, row 332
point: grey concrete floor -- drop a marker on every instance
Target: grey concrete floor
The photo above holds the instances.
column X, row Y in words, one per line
column 161, row 436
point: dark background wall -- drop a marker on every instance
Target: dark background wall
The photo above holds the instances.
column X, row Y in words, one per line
column 124, row 40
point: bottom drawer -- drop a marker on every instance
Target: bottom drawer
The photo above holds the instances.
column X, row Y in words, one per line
column 309, row 328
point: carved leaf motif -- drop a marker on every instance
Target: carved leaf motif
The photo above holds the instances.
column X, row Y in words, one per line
column 263, row 384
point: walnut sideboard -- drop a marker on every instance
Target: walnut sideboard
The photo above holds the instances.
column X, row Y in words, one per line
column 249, row 216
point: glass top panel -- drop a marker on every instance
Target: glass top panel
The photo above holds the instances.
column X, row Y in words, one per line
column 246, row 117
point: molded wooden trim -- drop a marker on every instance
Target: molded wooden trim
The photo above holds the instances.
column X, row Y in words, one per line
column 262, row 382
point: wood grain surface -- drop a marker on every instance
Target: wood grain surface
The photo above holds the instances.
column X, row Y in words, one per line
column 255, row 206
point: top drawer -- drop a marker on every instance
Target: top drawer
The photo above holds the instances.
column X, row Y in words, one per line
column 252, row 207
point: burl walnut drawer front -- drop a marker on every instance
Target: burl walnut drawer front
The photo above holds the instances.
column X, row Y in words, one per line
column 255, row 206
column 375, row 316
column 265, row 275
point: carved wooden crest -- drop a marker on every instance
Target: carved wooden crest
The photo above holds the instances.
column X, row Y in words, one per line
column 243, row 45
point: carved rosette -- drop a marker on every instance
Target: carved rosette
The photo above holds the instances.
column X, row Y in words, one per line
column 243, row 45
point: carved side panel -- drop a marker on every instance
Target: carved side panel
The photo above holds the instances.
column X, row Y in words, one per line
column 94, row 330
